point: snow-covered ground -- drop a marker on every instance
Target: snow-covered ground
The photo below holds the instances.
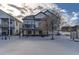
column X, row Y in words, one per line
column 65, row 33
column 39, row 46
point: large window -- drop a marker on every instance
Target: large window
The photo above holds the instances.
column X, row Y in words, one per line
column 5, row 21
column 29, row 21
column 29, row 24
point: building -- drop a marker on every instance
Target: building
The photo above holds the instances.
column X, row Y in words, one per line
column 53, row 20
column 9, row 24
column 39, row 24
column 66, row 28
column 32, row 24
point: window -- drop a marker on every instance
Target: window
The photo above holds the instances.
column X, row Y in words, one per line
column 29, row 24
column 11, row 21
column 4, row 21
column 29, row 21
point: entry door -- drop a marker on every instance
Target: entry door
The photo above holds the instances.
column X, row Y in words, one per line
column 29, row 32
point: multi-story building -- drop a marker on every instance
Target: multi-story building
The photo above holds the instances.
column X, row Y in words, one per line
column 53, row 20
column 9, row 24
column 31, row 24
column 39, row 24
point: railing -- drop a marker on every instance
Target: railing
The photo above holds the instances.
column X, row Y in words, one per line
column 4, row 25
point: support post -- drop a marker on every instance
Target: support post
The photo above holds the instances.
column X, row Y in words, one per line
column 52, row 30
column 9, row 28
column 34, row 26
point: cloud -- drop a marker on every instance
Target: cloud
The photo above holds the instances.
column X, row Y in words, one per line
column 63, row 10
column 31, row 8
column 70, row 18
column 74, row 18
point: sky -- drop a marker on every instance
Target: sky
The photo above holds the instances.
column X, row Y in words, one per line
column 70, row 12
column 69, row 6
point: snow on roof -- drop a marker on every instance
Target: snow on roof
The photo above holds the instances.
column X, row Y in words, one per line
column 29, row 17
column 47, row 12
column 40, row 15
column 10, row 15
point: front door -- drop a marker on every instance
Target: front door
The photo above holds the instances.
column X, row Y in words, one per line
column 29, row 32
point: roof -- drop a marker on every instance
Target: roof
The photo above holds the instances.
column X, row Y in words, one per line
column 28, row 17
column 11, row 16
column 40, row 15
column 47, row 12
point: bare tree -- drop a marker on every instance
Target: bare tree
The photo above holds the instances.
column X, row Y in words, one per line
column 53, row 22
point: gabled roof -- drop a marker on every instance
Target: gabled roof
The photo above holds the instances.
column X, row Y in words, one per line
column 40, row 15
column 29, row 17
column 47, row 12
column 11, row 16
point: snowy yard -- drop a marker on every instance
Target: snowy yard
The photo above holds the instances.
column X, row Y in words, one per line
column 39, row 46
